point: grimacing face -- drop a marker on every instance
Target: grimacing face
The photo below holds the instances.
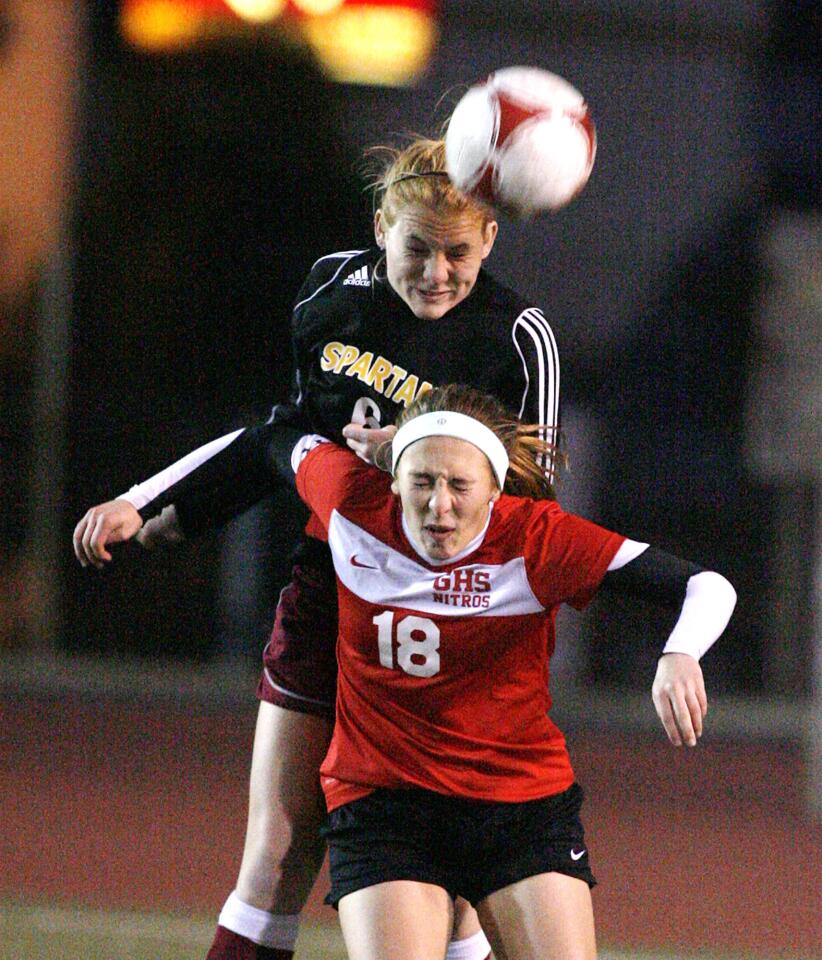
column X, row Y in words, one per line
column 433, row 257
column 445, row 486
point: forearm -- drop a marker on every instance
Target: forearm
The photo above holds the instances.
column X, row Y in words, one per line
column 706, row 609
column 213, row 483
column 705, row 601
column 152, row 495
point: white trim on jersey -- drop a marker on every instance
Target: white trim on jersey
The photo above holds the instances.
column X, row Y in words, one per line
column 379, row 574
column 303, row 447
column 337, row 254
column 345, row 256
column 628, row 550
column 533, row 322
column 143, row 493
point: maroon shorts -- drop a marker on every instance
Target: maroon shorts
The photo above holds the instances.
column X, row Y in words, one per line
column 300, row 660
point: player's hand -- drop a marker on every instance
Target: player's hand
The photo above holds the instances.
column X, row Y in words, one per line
column 680, row 698
column 103, row 525
column 365, row 441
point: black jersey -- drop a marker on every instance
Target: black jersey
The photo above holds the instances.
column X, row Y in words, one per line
column 361, row 355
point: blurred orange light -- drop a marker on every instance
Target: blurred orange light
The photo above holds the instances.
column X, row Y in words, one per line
column 160, row 24
column 257, row 11
column 386, row 42
column 373, row 43
column 317, row 8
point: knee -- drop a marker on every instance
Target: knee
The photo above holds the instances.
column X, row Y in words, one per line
column 277, row 830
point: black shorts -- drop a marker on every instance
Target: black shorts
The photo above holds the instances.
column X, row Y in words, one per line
column 471, row 848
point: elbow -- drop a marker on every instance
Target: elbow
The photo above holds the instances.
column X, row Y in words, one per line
column 731, row 596
column 720, row 589
column 727, row 591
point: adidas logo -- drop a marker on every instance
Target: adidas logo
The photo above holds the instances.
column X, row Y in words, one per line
column 359, row 278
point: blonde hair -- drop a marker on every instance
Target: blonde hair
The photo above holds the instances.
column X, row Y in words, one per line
column 416, row 175
column 533, row 459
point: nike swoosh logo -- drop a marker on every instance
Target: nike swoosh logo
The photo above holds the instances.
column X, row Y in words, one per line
column 577, row 854
column 358, row 563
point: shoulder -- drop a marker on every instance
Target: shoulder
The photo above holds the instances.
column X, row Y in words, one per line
column 565, row 556
column 519, row 315
column 538, row 522
column 525, row 518
column 341, row 478
column 495, row 295
column 333, row 270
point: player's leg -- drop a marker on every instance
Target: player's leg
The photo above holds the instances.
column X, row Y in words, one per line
column 400, row 919
column 548, row 915
column 526, row 867
column 283, row 849
column 389, row 880
column 468, row 942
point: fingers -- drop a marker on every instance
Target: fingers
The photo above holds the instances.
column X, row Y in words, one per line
column 81, row 539
column 356, row 433
column 102, row 525
column 664, row 708
column 90, row 538
column 680, row 699
column 360, row 434
column 365, row 441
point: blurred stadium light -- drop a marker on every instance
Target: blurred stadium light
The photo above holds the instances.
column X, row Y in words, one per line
column 378, row 42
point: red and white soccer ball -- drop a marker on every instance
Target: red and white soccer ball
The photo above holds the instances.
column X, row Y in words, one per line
column 522, row 141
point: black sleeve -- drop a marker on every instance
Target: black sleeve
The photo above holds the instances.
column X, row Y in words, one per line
column 228, row 483
column 654, row 575
column 281, row 445
column 221, row 487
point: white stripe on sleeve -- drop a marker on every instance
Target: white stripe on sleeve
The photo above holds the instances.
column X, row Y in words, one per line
column 533, row 323
column 143, row 493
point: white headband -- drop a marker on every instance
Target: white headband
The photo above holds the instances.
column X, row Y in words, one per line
column 447, row 423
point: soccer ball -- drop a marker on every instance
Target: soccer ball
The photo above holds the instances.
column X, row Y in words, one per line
column 522, row 141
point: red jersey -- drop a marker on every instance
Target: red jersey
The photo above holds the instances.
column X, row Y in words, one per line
column 443, row 667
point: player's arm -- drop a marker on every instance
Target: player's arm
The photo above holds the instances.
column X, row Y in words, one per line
column 703, row 601
column 207, row 487
column 204, row 489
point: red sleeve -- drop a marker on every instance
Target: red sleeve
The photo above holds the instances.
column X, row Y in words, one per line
column 567, row 556
column 330, row 476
